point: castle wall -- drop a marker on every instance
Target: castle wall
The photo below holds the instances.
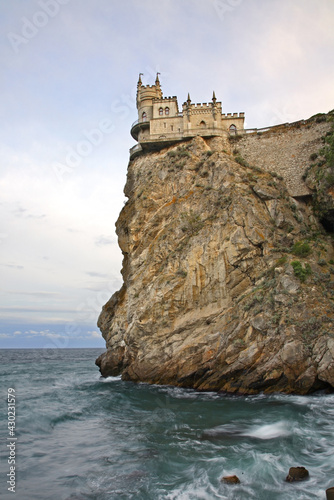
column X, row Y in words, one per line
column 233, row 119
column 201, row 116
column 166, row 125
column 167, row 102
column 284, row 150
column 144, row 135
column 146, row 107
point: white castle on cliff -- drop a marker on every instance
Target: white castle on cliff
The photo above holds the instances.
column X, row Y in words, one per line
column 160, row 123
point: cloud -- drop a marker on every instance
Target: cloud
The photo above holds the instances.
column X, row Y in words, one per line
column 42, row 294
column 49, row 334
column 18, row 212
column 30, row 216
column 105, row 240
column 94, row 335
column 23, row 212
column 71, row 334
column 3, row 236
column 64, row 335
column 107, row 288
column 94, row 274
column 34, row 309
column 44, row 334
column 13, row 266
column 20, row 316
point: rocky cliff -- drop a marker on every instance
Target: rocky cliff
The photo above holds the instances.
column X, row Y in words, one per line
column 228, row 280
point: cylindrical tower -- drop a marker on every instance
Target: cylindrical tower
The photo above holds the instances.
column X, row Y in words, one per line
column 145, row 96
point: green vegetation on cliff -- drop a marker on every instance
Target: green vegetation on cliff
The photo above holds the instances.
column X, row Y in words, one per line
column 319, row 177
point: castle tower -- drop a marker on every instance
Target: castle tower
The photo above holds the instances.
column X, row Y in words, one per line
column 146, row 94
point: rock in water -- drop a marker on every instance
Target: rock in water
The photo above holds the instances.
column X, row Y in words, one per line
column 330, row 494
column 227, row 280
column 297, row 474
column 230, row 480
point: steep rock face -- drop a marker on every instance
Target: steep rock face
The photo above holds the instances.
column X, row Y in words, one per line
column 319, row 177
column 228, row 282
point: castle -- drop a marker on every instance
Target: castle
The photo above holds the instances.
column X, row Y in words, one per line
column 160, row 123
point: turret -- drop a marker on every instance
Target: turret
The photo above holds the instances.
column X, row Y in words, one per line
column 188, row 107
column 146, row 94
column 139, row 85
column 157, row 83
column 214, row 106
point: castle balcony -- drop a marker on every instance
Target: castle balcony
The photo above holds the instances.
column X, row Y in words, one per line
column 135, row 151
column 137, row 126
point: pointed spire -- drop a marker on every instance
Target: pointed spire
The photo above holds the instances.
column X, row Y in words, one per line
column 188, row 107
column 139, row 84
column 214, row 100
column 158, row 87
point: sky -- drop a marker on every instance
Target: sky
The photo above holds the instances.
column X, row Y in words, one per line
column 68, row 86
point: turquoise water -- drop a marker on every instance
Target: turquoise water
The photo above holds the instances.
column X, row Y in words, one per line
column 83, row 437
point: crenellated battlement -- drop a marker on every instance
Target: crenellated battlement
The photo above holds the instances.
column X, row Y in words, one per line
column 233, row 115
column 164, row 99
column 160, row 122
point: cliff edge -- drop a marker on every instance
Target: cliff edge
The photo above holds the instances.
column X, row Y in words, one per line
column 228, row 280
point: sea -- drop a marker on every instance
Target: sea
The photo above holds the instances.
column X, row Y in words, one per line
column 77, row 436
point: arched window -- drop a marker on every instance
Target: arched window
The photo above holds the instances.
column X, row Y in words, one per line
column 202, row 124
column 161, row 111
column 144, row 117
column 166, row 111
column 233, row 129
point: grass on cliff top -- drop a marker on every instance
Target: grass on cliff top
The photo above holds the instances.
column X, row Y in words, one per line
column 322, row 117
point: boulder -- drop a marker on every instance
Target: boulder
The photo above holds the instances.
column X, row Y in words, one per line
column 297, row 474
column 230, row 480
column 330, row 494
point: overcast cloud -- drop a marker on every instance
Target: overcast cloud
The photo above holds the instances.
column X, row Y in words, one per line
column 68, row 82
